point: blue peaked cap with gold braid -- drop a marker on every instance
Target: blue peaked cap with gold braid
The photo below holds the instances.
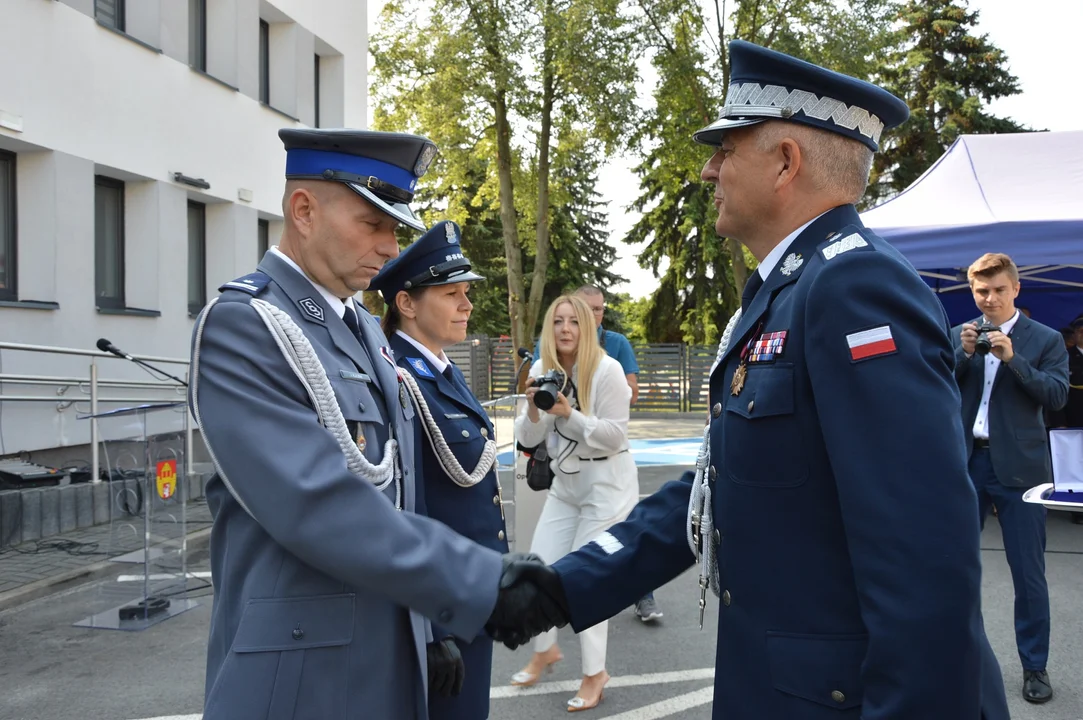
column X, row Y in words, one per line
column 769, row 85
column 381, row 167
column 435, row 258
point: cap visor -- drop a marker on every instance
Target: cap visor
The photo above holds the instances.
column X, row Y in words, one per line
column 399, row 211
column 712, row 134
column 468, row 276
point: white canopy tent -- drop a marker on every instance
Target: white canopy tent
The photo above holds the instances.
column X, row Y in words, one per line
column 1021, row 194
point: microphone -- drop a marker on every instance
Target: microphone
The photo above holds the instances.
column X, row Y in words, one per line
column 105, row 346
column 527, row 358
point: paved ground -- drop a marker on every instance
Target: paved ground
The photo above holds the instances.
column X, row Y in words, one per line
column 50, row 670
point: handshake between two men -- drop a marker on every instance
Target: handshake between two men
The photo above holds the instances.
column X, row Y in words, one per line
column 530, row 601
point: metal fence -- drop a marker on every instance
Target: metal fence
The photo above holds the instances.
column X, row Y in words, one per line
column 672, row 376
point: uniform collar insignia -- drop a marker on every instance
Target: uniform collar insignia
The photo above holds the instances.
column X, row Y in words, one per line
column 419, row 366
column 311, row 308
column 791, row 263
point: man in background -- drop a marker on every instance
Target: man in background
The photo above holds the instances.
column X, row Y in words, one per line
column 1073, row 411
column 1010, row 369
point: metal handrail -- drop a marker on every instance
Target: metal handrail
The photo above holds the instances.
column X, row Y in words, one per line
column 86, row 353
column 51, row 380
column 94, row 382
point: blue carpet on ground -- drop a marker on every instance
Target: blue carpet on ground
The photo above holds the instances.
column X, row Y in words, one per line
column 671, row 451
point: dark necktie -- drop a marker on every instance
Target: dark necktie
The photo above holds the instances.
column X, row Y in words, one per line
column 350, row 318
column 449, row 374
column 751, row 286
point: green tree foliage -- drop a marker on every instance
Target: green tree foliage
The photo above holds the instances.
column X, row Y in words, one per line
column 946, row 74
column 700, row 285
column 506, row 88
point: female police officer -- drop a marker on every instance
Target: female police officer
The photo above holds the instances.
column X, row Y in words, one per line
column 425, row 289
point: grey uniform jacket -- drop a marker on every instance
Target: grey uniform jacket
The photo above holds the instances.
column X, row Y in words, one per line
column 323, row 590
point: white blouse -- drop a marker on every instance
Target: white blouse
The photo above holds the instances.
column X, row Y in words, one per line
column 602, row 433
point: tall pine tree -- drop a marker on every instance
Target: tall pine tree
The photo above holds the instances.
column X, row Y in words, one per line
column 947, row 74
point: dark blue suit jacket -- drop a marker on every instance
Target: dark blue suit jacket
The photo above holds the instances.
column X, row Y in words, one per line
column 848, row 529
column 1034, row 380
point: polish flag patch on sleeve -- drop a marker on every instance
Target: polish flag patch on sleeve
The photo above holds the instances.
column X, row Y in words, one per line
column 871, row 343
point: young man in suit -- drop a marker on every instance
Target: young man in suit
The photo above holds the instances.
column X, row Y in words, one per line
column 1010, row 369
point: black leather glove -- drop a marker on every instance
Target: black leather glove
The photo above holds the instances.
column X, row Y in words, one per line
column 531, row 601
column 446, row 668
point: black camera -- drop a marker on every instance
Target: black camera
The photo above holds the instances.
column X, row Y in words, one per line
column 983, row 345
column 548, row 386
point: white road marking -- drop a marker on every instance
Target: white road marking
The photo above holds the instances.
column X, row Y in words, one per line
column 654, row 711
column 666, row 708
column 570, row 686
column 202, row 575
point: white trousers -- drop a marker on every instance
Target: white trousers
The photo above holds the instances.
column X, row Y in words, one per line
column 579, row 508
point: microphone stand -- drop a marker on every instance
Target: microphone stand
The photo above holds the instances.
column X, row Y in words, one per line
column 151, row 368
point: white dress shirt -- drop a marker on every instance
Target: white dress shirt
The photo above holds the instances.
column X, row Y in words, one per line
column 337, row 305
column 769, row 262
column 992, row 364
column 438, row 363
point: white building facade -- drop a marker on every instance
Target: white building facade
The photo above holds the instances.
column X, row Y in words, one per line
column 140, row 168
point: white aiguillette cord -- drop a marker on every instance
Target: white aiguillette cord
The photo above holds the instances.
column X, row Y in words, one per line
column 444, row 456
column 700, row 525
column 304, row 362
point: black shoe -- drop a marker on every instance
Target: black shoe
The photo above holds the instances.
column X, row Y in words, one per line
column 1036, row 687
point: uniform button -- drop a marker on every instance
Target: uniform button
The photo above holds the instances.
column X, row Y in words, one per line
column 496, row 499
column 751, row 404
column 466, row 433
column 717, row 536
column 726, row 598
column 837, row 696
column 716, row 410
column 485, row 432
column 445, row 616
column 500, row 535
column 361, row 406
column 712, row 473
column 298, row 633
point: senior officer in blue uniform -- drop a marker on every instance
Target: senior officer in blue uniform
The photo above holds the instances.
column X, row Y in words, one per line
column 325, row 579
column 845, row 537
column 426, row 289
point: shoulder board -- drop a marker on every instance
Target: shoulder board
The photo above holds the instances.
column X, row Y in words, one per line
column 848, row 239
column 253, row 283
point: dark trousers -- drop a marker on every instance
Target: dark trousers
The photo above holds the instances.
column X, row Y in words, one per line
column 1023, row 527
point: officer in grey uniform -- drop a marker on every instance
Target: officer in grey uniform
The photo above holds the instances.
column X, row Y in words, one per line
column 326, row 582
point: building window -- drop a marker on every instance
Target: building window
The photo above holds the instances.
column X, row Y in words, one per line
column 263, row 237
column 264, row 62
column 110, row 13
column 317, row 91
column 8, row 246
column 197, row 34
column 197, row 257
column 108, row 242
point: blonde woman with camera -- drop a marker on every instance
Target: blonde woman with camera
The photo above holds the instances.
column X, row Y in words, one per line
column 581, row 414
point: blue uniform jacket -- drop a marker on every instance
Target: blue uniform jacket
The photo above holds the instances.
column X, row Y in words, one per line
column 848, row 527
column 475, row 512
column 323, row 590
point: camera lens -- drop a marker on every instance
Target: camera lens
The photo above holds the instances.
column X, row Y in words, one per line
column 546, row 397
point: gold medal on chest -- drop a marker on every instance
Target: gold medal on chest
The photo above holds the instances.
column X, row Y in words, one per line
column 738, row 382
